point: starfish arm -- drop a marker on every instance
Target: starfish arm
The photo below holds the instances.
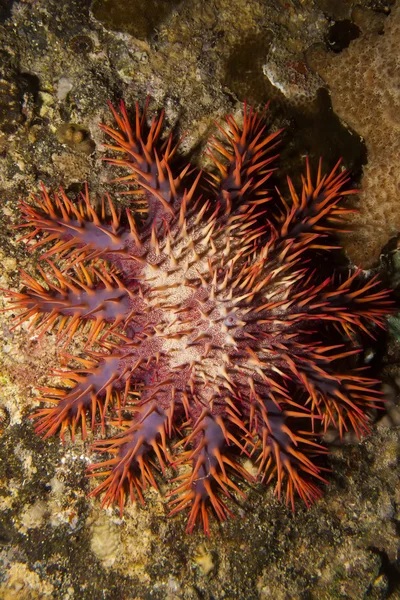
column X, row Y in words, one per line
column 89, row 391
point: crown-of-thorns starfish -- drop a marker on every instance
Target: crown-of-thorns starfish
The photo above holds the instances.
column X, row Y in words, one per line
column 218, row 333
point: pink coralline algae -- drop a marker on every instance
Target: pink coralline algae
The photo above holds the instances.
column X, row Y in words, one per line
column 213, row 331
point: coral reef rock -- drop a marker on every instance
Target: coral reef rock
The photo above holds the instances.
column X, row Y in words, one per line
column 364, row 80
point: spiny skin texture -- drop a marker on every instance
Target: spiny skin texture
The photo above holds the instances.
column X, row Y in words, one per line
column 219, row 335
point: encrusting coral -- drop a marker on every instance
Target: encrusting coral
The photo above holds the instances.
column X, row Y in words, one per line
column 364, row 82
column 219, row 335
